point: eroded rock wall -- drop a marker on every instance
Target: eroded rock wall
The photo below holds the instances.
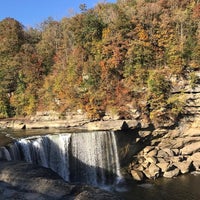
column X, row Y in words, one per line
column 174, row 150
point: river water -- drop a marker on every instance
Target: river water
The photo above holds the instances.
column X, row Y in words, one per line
column 185, row 187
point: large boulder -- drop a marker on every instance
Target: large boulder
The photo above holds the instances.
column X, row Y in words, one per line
column 196, row 165
column 191, row 148
column 164, row 166
column 154, row 170
column 172, row 173
column 195, row 158
column 169, row 152
column 137, row 175
column 152, row 153
column 184, row 166
column 151, row 159
column 148, row 149
column 162, row 154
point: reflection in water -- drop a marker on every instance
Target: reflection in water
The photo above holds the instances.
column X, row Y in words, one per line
column 185, row 187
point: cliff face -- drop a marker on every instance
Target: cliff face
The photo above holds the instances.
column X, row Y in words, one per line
column 172, row 150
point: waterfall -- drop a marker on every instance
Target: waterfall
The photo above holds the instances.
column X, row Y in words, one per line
column 94, row 158
column 49, row 151
column 89, row 157
column 5, row 154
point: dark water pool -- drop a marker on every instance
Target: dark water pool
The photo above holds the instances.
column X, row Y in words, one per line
column 185, row 187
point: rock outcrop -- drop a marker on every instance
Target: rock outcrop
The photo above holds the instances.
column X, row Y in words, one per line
column 23, row 181
column 175, row 150
column 83, row 124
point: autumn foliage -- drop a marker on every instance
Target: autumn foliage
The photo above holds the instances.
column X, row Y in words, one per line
column 117, row 56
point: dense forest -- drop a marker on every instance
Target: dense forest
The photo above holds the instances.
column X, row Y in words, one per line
column 115, row 57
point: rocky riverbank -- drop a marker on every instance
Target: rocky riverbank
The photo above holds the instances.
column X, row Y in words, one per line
column 166, row 149
column 23, row 181
column 69, row 123
column 169, row 152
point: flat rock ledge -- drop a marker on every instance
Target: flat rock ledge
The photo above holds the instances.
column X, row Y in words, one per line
column 82, row 124
column 23, row 181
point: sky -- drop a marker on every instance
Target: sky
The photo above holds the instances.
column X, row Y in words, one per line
column 31, row 13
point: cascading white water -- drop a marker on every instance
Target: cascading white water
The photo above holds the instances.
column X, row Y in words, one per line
column 5, row 154
column 94, row 158
column 58, row 156
column 89, row 157
column 48, row 151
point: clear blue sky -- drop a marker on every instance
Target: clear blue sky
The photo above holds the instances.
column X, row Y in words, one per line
column 33, row 12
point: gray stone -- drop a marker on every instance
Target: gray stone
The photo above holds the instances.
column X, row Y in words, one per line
column 132, row 124
column 191, row 148
column 140, row 168
column 195, row 156
column 196, row 165
column 172, row 173
column 137, row 175
column 145, row 164
column 107, row 125
column 159, row 132
column 194, row 132
column 152, row 153
column 164, row 166
column 184, row 166
column 137, row 139
column 169, row 152
column 176, row 159
column 176, row 152
column 19, row 125
column 147, row 173
column 144, row 133
column 178, row 144
column 147, row 149
column 151, row 159
column 162, row 154
column 154, row 170
column 141, row 160
column 195, row 159
column 161, row 160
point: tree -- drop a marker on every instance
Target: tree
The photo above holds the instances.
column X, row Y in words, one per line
column 12, row 38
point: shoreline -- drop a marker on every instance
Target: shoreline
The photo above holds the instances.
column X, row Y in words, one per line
column 98, row 125
column 163, row 152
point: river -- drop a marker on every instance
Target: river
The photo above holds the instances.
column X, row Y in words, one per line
column 185, row 187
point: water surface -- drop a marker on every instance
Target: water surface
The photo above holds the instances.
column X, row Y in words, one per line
column 185, row 187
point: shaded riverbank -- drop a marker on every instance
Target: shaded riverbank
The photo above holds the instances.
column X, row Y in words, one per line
column 25, row 181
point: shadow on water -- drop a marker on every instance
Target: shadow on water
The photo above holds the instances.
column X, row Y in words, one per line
column 184, row 187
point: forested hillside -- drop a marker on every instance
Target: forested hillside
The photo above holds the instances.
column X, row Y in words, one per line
column 115, row 57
